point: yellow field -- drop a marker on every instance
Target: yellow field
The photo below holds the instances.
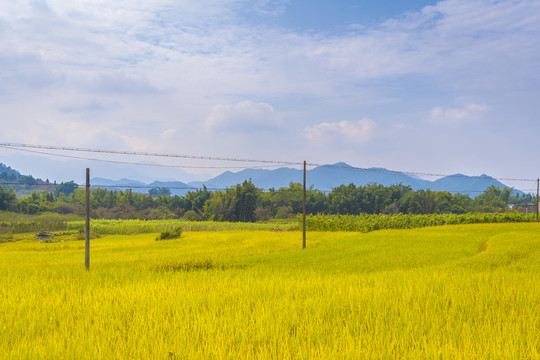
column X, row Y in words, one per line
column 455, row 292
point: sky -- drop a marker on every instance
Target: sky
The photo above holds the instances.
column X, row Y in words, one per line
column 442, row 87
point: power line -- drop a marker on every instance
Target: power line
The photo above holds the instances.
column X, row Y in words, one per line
column 192, row 188
column 133, row 163
column 139, row 153
column 23, row 147
column 396, row 172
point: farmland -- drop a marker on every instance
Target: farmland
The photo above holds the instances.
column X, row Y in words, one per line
column 460, row 291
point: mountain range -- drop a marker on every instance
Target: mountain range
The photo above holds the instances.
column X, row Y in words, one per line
column 323, row 178
column 177, row 187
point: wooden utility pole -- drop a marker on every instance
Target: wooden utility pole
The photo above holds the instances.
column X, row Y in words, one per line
column 537, row 202
column 87, row 224
column 304, row 213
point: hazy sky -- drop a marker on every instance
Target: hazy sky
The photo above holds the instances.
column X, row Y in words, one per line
column 447, row 87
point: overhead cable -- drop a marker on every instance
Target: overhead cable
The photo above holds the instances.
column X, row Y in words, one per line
column 24, row 147
column 140, row 153
column 138, row 164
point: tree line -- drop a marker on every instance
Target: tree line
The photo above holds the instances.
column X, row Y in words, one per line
column 247, row 203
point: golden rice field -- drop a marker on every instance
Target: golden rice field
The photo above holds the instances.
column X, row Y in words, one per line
column 454, row 292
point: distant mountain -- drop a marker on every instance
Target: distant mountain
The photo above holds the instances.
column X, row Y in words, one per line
column 327, row 177
column 177, row 187
column 22, row 184
column 262, row 178
column 470, row 185
column 121, row 184
column 330, row 176
column 8, row 172
column 323, row 178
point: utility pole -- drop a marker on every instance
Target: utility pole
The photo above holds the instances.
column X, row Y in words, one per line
column 87, row 223
column 304, row 213
column 537, row 202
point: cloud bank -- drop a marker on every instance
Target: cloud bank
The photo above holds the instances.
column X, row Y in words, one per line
column 127, row 72
column 457, row 115
column 243, row 117
column 353, row 131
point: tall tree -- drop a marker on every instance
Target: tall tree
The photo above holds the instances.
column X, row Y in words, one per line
column 424, row 202
column 66, row 188
column 246, row 201
column 7, row 198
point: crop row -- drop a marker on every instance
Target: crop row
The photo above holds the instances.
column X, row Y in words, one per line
column 359, row 223
column 130, row 227
column 366, row 222
column 31, row 226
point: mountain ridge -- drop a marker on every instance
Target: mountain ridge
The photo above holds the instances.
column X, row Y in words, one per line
column 327, row 177
column 323, row 178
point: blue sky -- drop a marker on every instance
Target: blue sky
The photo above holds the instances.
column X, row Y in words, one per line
column 442, row 87
column 335, row 17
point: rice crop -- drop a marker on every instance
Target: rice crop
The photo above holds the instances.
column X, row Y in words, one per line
column 130, row 227
column 454, row 292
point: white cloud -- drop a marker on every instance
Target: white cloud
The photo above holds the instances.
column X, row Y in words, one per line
column 243, row 117
column 352, row 131
column 187, row 45
column 456, row 115
column 141, row 68
column 168, row 134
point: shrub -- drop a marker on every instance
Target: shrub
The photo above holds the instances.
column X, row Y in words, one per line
column 285, row 212
column 191, row 215
column 170, row 234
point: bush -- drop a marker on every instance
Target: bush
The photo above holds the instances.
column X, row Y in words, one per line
column 263, row 213
column 191, row 215
column 82, row 236
column 170, row 234
column 285, row 212
column 64, row 208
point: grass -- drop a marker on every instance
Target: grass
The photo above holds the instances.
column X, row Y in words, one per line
column 11, row 223
column 131, row 227
column 455, row 292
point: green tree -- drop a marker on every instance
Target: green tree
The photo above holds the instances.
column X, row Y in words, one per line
column 7, row 199
column 221, row 206
column 460, row 203
column 284, row 197
column 424, row 202
column 493, row 199
column 246, row 201
column 316, row 201
column 345, row 199
column 195, row 199
column 159, row 191
column 66, row 188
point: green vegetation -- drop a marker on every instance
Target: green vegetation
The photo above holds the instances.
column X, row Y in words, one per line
column 246, row 203
column 11, row 223
column 169, row 234
column 132, row 227
column 366, row 223
column 456, row 292
column 21, row 223
column 22, row 184
column 159, row 191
